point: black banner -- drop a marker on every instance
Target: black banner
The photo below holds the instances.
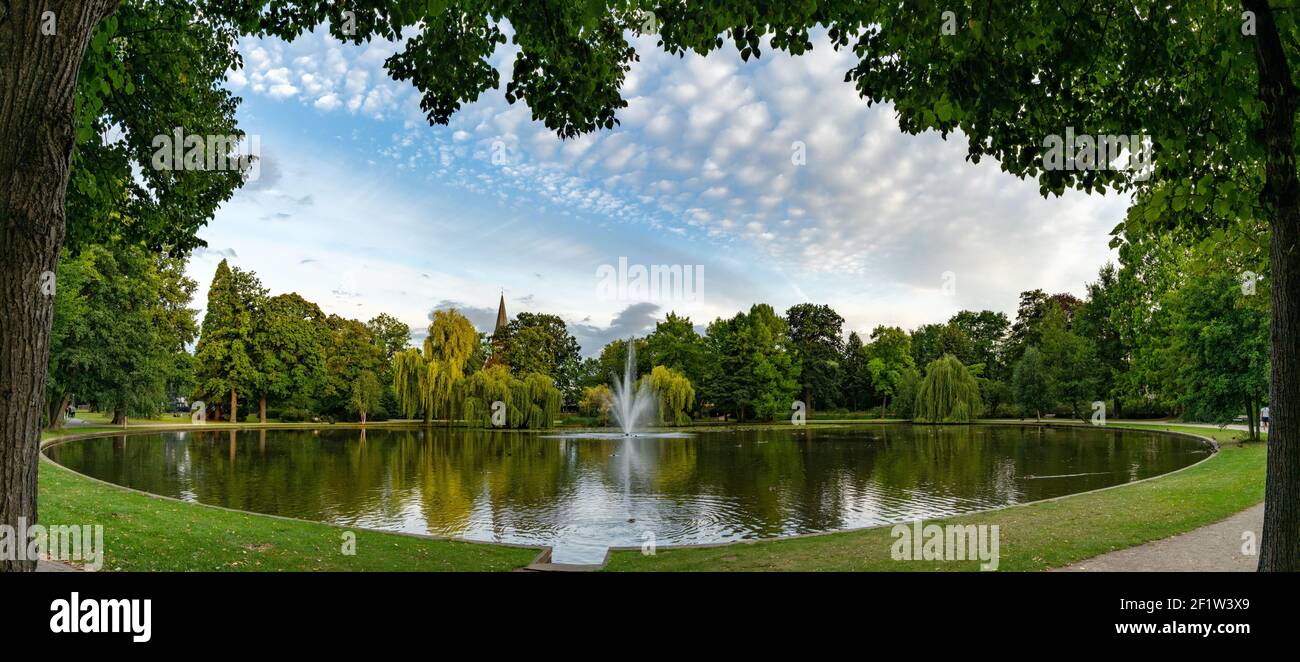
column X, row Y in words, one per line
column 527, row 612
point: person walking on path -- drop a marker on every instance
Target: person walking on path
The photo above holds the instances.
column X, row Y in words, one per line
column 1263, row 417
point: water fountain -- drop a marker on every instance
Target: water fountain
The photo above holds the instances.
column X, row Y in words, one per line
column 632, row 403
column 633, row 407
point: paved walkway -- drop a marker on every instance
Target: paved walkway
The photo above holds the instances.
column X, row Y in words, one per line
column 1213, row 548
column 1228, row 426
column 54, row 566
column 1121, row 421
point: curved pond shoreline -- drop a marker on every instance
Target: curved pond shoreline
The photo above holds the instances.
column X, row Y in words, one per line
column 147, row 430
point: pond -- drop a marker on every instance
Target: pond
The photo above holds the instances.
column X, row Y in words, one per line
column 583, row 495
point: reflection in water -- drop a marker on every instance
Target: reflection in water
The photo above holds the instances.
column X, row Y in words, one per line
column 582, row 495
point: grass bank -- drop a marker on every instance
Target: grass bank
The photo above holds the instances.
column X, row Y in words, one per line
column 1036, row 536
column 148, row 533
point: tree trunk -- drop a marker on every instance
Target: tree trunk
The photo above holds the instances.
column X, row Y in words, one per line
column 1253, row 414
column 261, row 410
column 234, row 407
column 58, row 410
column 1250, row 417
column 119, row 417
column 38, row 77
column 1256, row 423
column 1280, row 198
column 1259, row 416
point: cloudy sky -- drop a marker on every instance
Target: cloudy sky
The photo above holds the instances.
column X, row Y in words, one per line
column 770, row 177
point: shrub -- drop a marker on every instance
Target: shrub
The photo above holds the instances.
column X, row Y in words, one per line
column 294, row 415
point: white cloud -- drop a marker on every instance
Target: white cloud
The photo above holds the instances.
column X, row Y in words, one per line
column 328, row 102
column 356, row 81
column 282, row 91
column 703, row 158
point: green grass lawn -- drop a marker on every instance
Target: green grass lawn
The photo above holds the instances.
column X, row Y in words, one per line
column 873, row 416
column 143, row 532
column 1036, row 536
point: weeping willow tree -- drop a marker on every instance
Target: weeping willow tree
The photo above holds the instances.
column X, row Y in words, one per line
column 481, row 389
column 531, row 401
column 948, row 393
column 442, row 382
column 674, row 395
column 447, row 348
column 409, row 376
column 537, row 398
column 431, row 382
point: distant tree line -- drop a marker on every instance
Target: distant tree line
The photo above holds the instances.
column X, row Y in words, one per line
column 1171, row 330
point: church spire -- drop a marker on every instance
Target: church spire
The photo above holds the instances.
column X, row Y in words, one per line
column 502, row 320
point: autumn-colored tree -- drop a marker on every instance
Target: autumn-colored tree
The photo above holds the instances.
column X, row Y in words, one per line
column 596, row 401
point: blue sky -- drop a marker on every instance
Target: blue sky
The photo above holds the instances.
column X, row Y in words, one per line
column 364, row 208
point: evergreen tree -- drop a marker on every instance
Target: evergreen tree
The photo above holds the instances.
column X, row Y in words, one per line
column 225, row 355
